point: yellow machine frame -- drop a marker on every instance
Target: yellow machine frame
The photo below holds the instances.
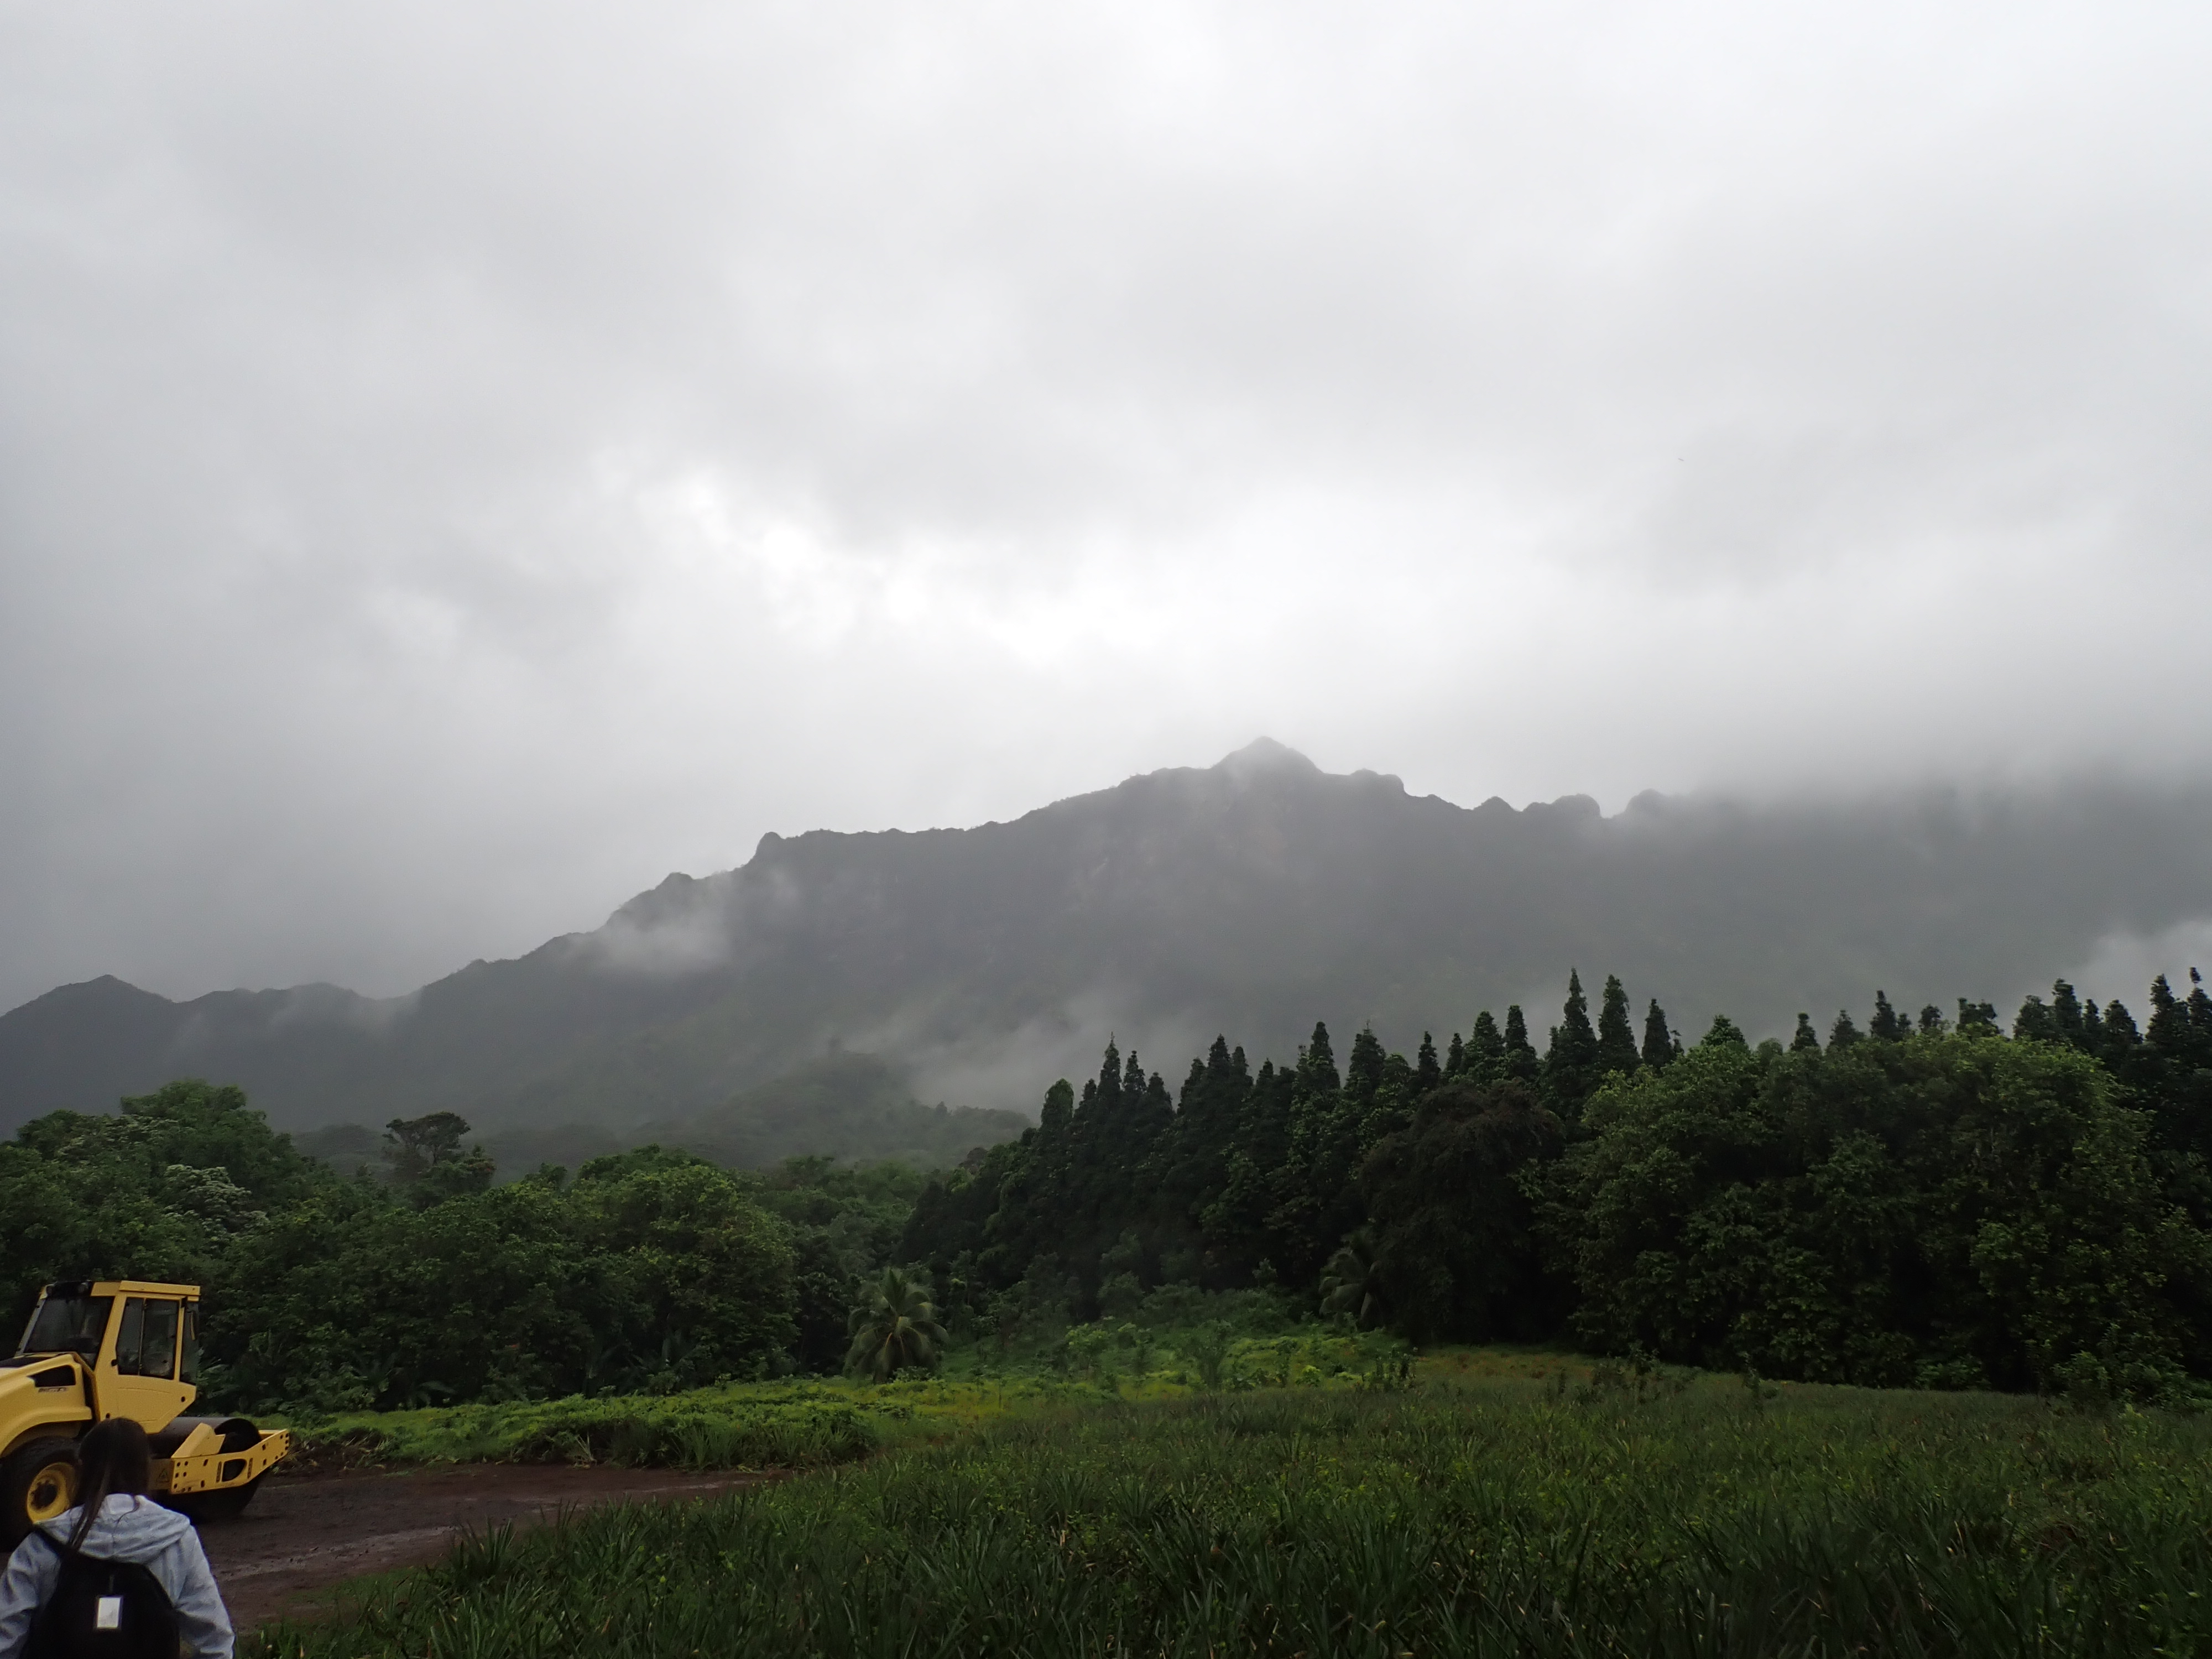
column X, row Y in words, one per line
column 49, row 1398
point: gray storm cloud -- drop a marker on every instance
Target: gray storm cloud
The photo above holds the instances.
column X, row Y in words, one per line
column 459, row 463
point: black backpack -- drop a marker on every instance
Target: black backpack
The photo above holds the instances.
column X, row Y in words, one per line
column 102, row 1609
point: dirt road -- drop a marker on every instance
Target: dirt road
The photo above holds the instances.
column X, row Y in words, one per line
column 307, row 1532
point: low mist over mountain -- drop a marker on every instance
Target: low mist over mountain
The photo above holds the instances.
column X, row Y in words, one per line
column 840, row 1106
column 1251, row 897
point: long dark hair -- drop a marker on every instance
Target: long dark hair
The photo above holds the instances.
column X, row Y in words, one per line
column 112, row 1458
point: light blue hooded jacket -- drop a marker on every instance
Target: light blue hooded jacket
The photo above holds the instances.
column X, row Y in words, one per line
column 128, row 1529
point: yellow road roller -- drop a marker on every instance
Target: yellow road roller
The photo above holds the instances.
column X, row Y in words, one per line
column 118, row 1347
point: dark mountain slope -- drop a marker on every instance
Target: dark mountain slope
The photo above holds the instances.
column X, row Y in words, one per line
column 1252, row 896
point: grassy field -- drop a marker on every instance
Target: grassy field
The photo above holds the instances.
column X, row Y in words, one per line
column 806, row 1423
column 1500, row 1504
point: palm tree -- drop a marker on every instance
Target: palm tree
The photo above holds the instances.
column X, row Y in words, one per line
column 1348, row 1283
column 893, row 1325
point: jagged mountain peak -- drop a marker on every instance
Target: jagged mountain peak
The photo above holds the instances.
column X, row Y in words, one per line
column 1247, row 898
column 1264, row 756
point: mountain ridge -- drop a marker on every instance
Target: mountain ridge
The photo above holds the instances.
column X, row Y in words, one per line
column 1252, row 898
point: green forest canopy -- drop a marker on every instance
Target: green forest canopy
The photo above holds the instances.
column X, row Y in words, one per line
column 1928, row 1202
column 649, row 1270
column 1925, row 1202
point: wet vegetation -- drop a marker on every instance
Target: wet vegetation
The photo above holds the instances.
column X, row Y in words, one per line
column 1928, row 1202
column 1612, row 1512
column 1175, row 1372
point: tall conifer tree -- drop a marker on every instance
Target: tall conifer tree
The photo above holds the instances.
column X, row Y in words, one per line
column 1363, row 1071
column 1426, row 1072
column 2168, row 1030
column 1519, row 1058
column 1485, row 1049
column 1574, row 1042
column 1724, row 1033
column 1236, row 1221
column 1317, row 1072
column 1616, row 1037
column 1807, row 1040
column 1886, row 1026
column 1659, row 1045
column 1843, row 1033
column 1059, row 1109
column 2121, row 1036
column 1571, row 1067
column 2066, row 1013
column 1102, row 1100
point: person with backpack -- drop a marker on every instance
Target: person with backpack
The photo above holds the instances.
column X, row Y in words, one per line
column 118, row 1576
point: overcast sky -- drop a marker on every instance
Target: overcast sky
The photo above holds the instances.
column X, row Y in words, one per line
column 459, row 463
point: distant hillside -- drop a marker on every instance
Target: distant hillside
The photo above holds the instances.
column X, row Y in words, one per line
column 850, row 1107
column 1251, row 897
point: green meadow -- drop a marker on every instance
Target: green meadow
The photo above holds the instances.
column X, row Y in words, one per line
column 807, row 1422
column 1482, row 1502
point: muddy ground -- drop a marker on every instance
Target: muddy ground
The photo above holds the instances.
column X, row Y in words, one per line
column 304, row 1533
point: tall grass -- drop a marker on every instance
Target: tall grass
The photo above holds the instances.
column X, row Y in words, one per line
column 796, row 1425
column 704, row 1429
column 1501, row 1515
column 804, row 1422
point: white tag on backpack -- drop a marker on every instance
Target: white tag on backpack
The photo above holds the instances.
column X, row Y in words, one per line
column 109, row 1613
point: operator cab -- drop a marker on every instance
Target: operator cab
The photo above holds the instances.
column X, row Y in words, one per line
column 146, row 1353
column 69, row 1319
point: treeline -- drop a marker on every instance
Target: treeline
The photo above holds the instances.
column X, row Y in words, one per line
column 421, row 1282
column 1926, row 1201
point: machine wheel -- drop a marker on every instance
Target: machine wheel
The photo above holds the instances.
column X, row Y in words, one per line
column 36, row 1485
column 223, row 1503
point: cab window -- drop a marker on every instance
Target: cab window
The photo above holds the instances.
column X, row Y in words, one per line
column 157, row 1357
column 129, row 1332
column 65, row 1323
column 189, row 1369
column 146, row 1345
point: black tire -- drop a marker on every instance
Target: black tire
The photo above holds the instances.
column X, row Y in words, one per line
column 35, row 1487
column 223, row 1503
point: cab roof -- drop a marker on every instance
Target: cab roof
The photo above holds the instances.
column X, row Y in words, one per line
column 141, row 1287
